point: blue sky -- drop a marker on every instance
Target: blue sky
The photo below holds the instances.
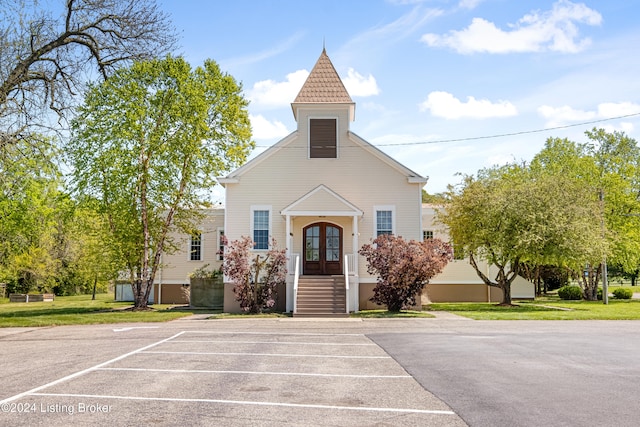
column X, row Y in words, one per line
column 433, row 80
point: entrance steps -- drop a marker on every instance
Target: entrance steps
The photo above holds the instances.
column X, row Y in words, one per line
column 321, row 296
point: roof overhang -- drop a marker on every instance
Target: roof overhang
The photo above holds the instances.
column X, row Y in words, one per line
column 351, row 106
column 223, row 180
column 321, row 201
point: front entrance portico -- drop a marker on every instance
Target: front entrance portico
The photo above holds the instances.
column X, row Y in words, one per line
column 317, row 226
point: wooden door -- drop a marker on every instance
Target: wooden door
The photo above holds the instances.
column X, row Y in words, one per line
column 322, row 249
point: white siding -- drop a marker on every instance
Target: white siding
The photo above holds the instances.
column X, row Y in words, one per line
column 357, row 175
column 177, row 266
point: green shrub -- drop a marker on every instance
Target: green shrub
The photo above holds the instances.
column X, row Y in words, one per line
column 622, row 293
column 570, row 292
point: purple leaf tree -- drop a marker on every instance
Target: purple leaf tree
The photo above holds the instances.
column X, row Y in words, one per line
column 255, row 276
column 403, row 268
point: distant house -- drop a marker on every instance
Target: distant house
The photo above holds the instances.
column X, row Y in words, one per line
column 322, row 192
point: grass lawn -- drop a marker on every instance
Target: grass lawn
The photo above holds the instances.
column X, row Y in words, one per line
column 81, row 310
column 548, row 308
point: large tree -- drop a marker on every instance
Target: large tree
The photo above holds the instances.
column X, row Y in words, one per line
column 30, row 198
column 148, row 144
column 45, row 243
column 510, row 215
column 48, row 50
column 600, row 177
column 483, row 224
column 617, row 160
column 574, row 206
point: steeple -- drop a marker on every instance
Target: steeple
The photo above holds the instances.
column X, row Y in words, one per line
column 323, row 86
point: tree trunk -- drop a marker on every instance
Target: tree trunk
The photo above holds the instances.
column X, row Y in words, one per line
column 506, row 293
column 141, row 294
column 141, row 301
column 503, row 279
column 590, row 282
column 95, row 285
column 395, row 307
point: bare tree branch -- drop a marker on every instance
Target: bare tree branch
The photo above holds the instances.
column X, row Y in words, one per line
column 46, row 56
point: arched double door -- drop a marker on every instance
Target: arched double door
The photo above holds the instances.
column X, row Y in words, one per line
column 322, row 249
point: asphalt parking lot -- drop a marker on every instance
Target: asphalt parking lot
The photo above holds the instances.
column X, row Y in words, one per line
column 446, row 371
column 218, row 374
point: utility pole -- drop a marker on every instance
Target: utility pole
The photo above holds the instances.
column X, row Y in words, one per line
column 605, row 285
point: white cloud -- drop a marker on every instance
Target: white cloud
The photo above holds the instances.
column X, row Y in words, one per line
column 264, row 129
column 359, row 85
column 610, row 109
column 553, row 30
column 443, row 104
column 270, row 93
column 469, row 4
column 558, row 116
column 625, row 127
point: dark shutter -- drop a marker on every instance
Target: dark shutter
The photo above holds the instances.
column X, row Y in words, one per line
column 322, row 139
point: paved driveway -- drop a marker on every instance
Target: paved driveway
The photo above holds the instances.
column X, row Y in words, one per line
column 442, row 372
column 522, row 373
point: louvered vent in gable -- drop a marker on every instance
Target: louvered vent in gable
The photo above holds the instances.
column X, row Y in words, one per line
column 323, row 139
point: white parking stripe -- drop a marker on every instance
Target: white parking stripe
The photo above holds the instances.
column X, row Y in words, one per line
column 294, row 374
column 38, row 391
column 301, row 334
column 84, row 371
column 276, row 342
column 204, row 353
column 245, row 402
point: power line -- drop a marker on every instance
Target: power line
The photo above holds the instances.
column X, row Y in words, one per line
column 500, row 135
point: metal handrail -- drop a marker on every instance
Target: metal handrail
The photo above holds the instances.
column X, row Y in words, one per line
column 296, row 275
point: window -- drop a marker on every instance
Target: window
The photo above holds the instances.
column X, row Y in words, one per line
column 427, row 234
column 195, row 252
column 220, row 244
column 323, row 139
column 385, row 223
column 261, row 228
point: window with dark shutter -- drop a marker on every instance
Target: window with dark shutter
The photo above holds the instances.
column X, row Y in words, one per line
column 322, row 139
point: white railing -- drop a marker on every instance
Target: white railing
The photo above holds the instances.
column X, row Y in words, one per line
column 350, row 264
column 291, row 266
column 346, row 283
column 296, row 275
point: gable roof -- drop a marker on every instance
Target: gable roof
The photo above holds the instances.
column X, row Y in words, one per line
column 234, row 176
column 322, row 200
column 412, row 177
column 323, row 86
